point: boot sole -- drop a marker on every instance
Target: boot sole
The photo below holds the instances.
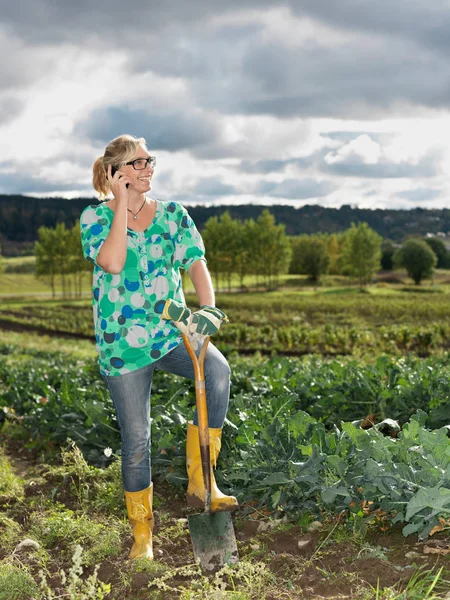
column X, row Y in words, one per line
column 195, row 502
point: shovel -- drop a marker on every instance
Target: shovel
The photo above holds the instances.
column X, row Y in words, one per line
column 212, row 534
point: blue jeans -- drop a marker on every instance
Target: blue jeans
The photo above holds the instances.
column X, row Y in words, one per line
column 130, row 394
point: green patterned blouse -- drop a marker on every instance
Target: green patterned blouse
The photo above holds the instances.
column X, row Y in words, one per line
column 127, row 307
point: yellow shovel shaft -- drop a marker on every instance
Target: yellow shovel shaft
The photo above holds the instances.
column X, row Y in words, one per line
column 202, row 413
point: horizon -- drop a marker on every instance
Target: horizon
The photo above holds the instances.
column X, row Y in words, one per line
column 256, row 204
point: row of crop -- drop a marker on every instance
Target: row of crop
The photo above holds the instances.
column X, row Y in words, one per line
column 273, row 450
column 336, row 340
column 295, row 338
column 282, row 308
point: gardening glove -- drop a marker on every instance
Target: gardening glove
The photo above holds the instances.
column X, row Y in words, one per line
column 207, row 320
column 179, row 314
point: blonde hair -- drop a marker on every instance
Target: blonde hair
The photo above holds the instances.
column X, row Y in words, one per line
column 119, row 151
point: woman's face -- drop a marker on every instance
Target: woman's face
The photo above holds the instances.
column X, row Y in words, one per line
column 141, row 179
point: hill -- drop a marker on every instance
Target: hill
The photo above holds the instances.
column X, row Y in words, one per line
column 21, row 216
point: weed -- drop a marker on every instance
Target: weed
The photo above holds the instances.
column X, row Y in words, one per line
column 174, row 532
column 251, row 577
column 16, row 583
column 11, row 486
column 62, row 525
column 150, row 567
column 10, row 533
column 423, row 585
column 75, row 587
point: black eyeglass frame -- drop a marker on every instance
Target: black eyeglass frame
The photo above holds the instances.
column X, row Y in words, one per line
column 151, row 160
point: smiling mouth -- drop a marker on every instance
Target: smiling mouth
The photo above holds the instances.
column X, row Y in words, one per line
column 144, row 178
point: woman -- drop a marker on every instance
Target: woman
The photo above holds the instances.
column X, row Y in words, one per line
column 138, row 246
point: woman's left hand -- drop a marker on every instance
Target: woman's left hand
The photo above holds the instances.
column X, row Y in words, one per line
column 207, row 320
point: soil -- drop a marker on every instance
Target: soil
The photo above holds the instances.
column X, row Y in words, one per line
column 306, row 564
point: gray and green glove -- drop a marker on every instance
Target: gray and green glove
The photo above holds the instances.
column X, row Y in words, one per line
column 207, row 320
column 179, row 314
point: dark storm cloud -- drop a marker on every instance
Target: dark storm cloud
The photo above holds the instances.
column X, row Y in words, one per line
column 61, row 20
column 346, row 82
column 264, row 166
column 296, row 189
column 20, row 183
column 353, row 166
column 427, row 23
column 212, row 187
column 401, row 62
column 277, row 166
column 170, row 131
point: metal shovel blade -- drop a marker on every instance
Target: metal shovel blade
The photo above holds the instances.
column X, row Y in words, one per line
column 213, row 540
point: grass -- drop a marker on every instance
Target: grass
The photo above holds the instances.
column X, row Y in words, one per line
column 11, row 486
column 83, row 349
column 16, row 583
column 18, row 278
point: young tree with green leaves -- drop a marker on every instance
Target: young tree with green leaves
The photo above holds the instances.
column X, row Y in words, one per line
column 361, row 253
column 245, row 232
column 310, row 256
column 271, row 249
column 440, row 249
column 58, row 254
column 221, row 237
column 47, row 266
column 419, row 260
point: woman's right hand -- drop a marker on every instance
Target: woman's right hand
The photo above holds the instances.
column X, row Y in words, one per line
column 118, row 184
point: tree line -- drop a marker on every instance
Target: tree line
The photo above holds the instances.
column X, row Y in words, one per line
column 262, row 249
column 360, row 252
column 22, row 216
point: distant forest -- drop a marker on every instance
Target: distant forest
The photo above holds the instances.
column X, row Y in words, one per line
column 21, row 216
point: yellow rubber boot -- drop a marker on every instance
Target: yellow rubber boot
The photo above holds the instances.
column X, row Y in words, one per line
column 196, row 486
column 140, row 514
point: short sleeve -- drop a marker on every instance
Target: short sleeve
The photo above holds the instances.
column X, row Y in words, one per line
column 189, row 245
column 94, row 229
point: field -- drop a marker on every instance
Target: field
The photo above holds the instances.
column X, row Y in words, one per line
column 336, row 446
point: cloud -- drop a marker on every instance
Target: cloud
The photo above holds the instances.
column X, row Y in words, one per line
column 264, row 166
column 16, row 183
column 213, row 187
column 290, row 100
column 420, row 194
column 423, row 23
column 169, row 131
column 296, row 189
column 363, row 157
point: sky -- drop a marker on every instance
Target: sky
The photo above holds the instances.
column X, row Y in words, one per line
column 265, row 102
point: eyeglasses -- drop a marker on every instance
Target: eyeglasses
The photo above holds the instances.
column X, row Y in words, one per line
column 139, row 164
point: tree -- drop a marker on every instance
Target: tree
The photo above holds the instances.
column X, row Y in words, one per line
column 419, row 260
column 387, row 255
column 223, row 246
column 439, row 248
column 270, row 249
column 335, row 243
column 361, row 253
column 47, row 267
column 58, row 254
column 243, row 255
column 310, row 256
column 210, row 235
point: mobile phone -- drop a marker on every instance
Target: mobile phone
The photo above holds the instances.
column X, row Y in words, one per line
column 113, row 170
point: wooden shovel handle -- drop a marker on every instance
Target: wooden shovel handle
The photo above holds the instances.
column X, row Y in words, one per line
column 202, row 413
